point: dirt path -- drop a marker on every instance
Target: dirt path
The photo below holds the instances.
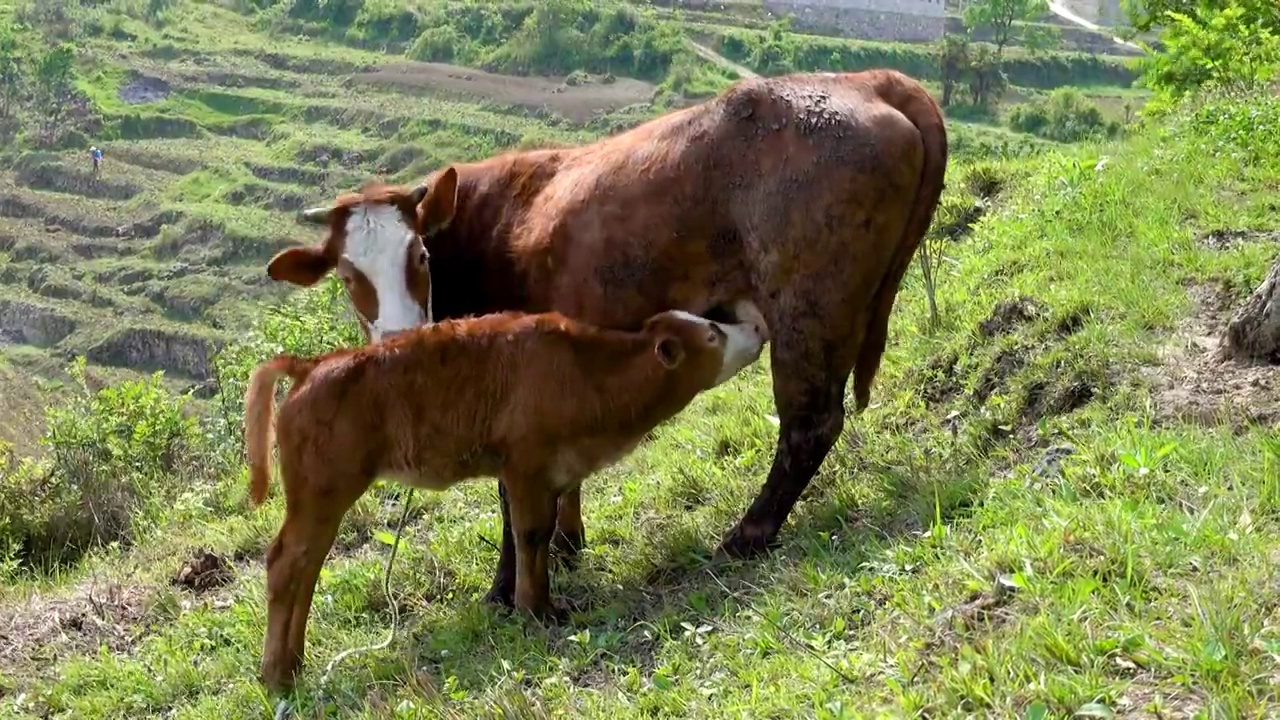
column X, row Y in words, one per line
column 707, row 53
column 1065, row 13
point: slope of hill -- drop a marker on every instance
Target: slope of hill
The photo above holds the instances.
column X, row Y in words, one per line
column 218, row 125
column 1060, row 504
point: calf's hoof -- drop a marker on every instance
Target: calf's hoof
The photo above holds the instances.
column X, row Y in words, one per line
column 567, row 547
column 278, row 677
column 745, row 541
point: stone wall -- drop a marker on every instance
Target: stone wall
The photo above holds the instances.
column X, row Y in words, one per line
column 896, row 20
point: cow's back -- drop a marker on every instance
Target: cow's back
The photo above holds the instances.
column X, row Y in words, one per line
column 682, row 212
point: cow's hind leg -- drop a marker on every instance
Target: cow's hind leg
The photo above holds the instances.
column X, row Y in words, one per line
column 503, row 590
column 811, row 367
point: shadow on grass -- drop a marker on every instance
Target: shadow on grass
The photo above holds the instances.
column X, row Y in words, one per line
column 620, row 624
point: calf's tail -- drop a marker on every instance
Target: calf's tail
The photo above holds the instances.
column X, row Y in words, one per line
column 259, row 416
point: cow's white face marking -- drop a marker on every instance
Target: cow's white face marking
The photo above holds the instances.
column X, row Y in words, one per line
column 742, row 345
column 378, row 243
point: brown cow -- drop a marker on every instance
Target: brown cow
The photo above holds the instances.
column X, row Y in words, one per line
column 807, row 194
column 540, row 401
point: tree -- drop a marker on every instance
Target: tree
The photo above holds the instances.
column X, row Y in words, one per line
column 54, row 88
column 1234, row 48
column 1004, row 20
column 10, row 70
column 953, row 63
column 1145, row 15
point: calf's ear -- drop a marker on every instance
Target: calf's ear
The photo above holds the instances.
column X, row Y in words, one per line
column 669, row 351
column 435, row 210
column 299, row 265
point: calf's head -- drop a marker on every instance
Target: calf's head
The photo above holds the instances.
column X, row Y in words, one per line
column 709, row 352
column 375, row 245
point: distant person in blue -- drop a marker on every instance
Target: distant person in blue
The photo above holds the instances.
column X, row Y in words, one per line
column 96, row 154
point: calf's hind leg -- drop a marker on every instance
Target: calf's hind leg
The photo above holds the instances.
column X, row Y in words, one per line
column 294, row 560
column 570, row 536
column 566, row 543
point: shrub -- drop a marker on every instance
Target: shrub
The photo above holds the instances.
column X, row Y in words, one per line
column 1236, row 47
column 1065, row 116
column 311, row 322
column 109, row 474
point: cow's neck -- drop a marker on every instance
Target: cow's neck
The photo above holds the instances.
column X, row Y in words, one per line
column 473, row 270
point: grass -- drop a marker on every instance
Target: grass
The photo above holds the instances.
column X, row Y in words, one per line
column 1022, row 525
column 1016, row 527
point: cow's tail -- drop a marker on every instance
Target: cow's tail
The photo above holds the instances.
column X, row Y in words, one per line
column 259, row 416
column 911, row 99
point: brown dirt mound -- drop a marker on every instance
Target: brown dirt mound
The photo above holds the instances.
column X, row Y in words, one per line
column 575, row 102
column 204, row 571
column 1194, row 382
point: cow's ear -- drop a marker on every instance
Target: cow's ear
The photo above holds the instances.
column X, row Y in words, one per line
column 670, row 351
column 435, row 211
column 300, row 265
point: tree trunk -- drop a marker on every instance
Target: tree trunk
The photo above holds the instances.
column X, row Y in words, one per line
column 1254, row 331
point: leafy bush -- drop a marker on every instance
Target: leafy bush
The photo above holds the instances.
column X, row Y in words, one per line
column 311, row 322
column 1065, row 116
column 1236, row 47
column 117, row 458
column 553, row 37
column 776, row 51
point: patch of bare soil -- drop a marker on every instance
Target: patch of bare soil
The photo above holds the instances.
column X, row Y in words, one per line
column 1195, row 383
column 576, row 98
column 1146, row 700
column 143, row 89
column 1227, row 238
column 93, row 615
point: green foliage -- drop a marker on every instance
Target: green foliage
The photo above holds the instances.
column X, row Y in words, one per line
column 10, row 70
column 54, row 87
column 313, row 321
column 1007, row 20
column 776, row 51
column 113, row 453
column 1145, row 15
column 1065, row 116
column 553, row 37
column 1236, row 47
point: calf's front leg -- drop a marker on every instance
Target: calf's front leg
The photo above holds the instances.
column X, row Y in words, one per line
column 570, row 535
column 533, row 516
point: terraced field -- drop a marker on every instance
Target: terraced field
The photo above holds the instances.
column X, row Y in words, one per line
column 215, row 132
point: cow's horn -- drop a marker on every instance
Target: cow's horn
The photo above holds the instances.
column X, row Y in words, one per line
column 418, row 193
column 315, row 216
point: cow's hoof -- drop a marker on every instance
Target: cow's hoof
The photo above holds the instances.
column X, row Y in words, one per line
column 567, row 548
column 502, row 595
column 745, row 541
column 549, row 614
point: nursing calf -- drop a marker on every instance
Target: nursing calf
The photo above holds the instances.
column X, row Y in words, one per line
column 539, row 401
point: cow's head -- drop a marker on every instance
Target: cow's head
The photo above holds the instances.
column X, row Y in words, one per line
column 375, row 246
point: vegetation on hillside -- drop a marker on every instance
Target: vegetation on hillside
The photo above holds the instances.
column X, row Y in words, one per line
column 1059, row 505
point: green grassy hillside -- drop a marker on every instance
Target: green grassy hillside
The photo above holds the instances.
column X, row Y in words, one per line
column 1059, row 504
column 220, row 120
